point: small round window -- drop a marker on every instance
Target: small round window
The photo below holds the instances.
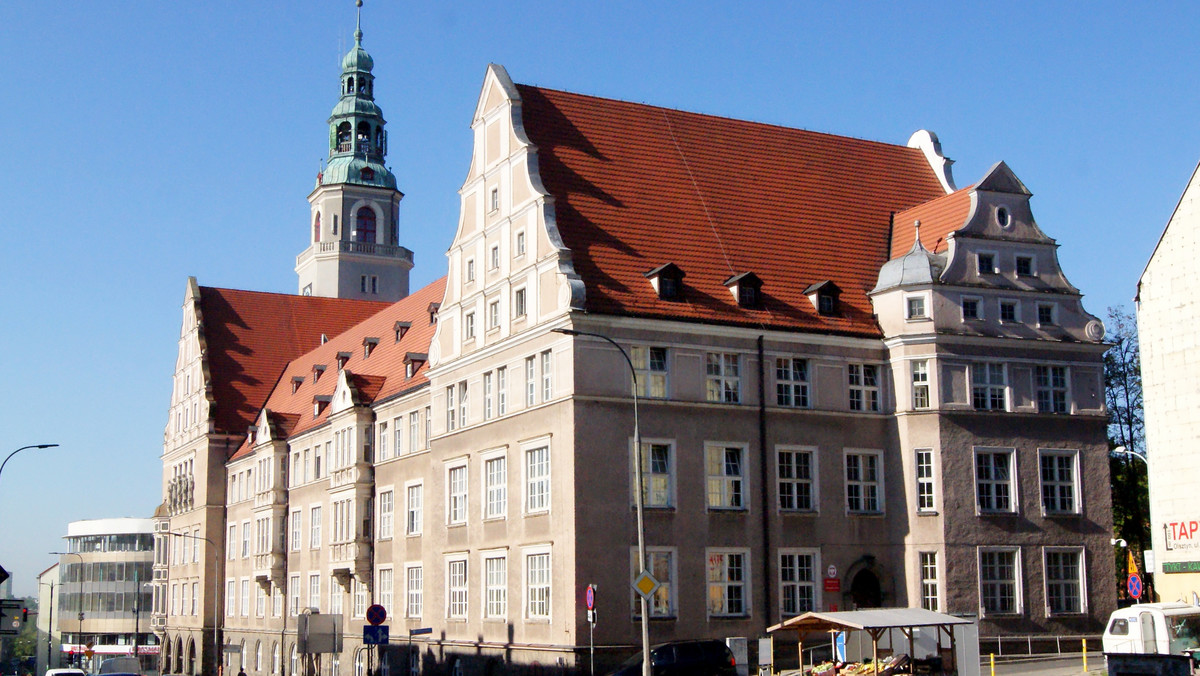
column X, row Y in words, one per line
column 1003, row 217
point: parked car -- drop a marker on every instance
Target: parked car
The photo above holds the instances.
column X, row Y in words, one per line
column 120, row 665
column 684, row 658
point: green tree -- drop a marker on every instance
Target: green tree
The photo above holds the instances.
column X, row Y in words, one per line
column 1126, row 427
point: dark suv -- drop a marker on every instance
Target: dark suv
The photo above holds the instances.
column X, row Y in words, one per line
column 683, row 658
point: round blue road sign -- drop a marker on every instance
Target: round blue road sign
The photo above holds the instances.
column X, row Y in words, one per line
column 1134, row 586
column 376, row 614
column 590, row 597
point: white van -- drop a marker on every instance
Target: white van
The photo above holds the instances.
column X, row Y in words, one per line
column 1154, row 628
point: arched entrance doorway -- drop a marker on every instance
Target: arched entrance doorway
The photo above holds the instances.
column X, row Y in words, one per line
column 177, row 667
column 191, row 656
column 865, row 590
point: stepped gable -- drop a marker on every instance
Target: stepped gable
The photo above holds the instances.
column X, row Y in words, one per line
column 377, row 377
column 939, row 218
column 637, row 186
column 250, row 337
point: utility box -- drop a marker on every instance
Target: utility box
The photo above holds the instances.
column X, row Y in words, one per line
column 317, row 633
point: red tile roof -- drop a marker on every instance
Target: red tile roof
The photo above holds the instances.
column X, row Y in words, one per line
column 938, row 217
column 378, row 377
column 251, row 336
column 638, row 186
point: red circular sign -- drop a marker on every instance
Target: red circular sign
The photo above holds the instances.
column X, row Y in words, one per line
column 590, row 597
column 376, row 615
column 1134, row 586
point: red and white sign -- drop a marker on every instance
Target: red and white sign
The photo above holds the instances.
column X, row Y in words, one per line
column 1183, row 535
column 833, row 585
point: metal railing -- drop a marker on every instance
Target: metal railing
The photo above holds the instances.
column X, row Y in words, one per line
column 1034, row 645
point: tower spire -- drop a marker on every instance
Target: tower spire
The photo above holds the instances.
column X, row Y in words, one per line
column 358, row 23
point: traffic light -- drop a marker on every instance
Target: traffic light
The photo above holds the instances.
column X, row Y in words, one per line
column 24, row 615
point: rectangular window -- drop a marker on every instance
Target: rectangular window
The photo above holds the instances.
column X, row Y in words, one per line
column 495, row 580
column 797, row 581
column 970, row 309
column 1059, row 487
column 412, row 518
column 495, row 473
column 530, row 381
column 930, row 598
column 723, row 379
column 519, row 303
column 414, row 432
column 469, row 326
column 920, row 383
column 488, row 397
column 470, row 269
column 360, row 599
column 537, row 479
column 791, row 382
column 661, row 564
column 245, row 598
column 456, row 589
column 728, row 576
column 1045, row 314
column 650, row 364
column 1051, row 389
column 1024, row 266
column 998, row 581
column 385, row 515
column 276, row 602
column 295, row 532
column 495, row 199
column 924, row 466
column 385, row 589
column 335, row 596
column 494, row 314
column 398, row 434
column 502, row 390
column 986, row 263
column 1008, row 311
column 915, row 307
column 863, row 477
column 314, row 590
column 547, row 376
column 537, row 586
column 456, row 495
column 231, row 542
column 314, row 528
column 993, row 480
column 988, row 390
column 725, row 471
column 863, row 384
column 494, row 257
column 230, row 598
column 245, row 539
column 795, row 468
column 658, row 470
column 521, row 243
column 463, row 404
column 1064, row 581
column 413, row 587
column 451, row 408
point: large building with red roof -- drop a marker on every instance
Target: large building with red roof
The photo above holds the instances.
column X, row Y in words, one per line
column 856, row 386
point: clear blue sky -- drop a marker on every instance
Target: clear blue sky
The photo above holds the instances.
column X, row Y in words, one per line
column 148, row 141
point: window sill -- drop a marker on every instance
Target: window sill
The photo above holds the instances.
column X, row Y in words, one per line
column 928, row 512
column 873, row 514
column 800, row 512
column 656, row 618
column 719, row 618
column 1061, row 515
column 495, row 519
column 918, row 319
column 986, row 513
column 412, row 535
column 728, row 510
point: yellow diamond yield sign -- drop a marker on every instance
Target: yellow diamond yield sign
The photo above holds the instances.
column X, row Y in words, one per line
column 645, row 584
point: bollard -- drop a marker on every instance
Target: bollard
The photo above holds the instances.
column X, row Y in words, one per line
column 992, row 662
column 1085, row 656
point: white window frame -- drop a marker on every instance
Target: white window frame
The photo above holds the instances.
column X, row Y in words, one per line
column 297, row 529
column 862, row 481
column 1072, row 463
column 1046, row 386
column 451, row 408
column 723, row 377
column 520, row 303
column 979, row 270
column 246, row 539
column 745, row 583
column 814, row 582
column 729, row 491
column 929, row 585
column 386, row 503
column 811, row 481
column 381, row 449
column 414, row 590
column 501, row 390
column 790, row 391
column 314, row 590
column 668, row 588
column 457, row 501
column 414, row 515
column 493, row 315
column 1080, row 580
column 918, row 370
column 858, row 381
column 537, row 480
column 469, row 326
column 1033, row 267
column 1016, row 305
column 470, row 266
column 911, row 311
column 494, row 257
column 652, row 383
column 520, row 243
column 547, row 366
column 1053, row 308
column 990, row 480
column 495, row 588
column 457, row 587
column 987, row 386
column 536, row 609
column 979, row 313
column 314, row 527
column 489, row 397
column 530, row 380
column 655, row 495
column 244, row 597
column 926, row 481
column 1017, row 582
column 494, row 502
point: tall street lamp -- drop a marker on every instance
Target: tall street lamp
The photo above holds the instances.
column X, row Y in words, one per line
column 219, row 610
column 10, row 455
column 1121, row 450
column 641, row 529
column 79, row 637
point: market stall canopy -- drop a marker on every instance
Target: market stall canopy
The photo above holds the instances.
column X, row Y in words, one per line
column 869, row 620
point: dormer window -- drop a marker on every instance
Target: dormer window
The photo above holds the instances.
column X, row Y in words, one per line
column 412, row 363
column 433, row 311
column 368, row 345
column 746, row 288
column 297, row 381
column 401, row 328
column 324, row 339
column 824, row 297
column 319, row 402
column 318, row 369
column 667, row 281
column 342, row 359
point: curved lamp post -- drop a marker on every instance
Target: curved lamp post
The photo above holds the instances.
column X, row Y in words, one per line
column 1121, row 450
column 10, row 455
column 637, row 449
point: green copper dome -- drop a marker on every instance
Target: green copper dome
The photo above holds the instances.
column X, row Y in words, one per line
column 357, row 59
